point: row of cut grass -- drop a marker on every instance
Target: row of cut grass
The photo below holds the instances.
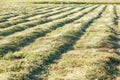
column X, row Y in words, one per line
column 23, row 26
column 90, row 63
column 53, row 12
column 20, row 39
column 31, row 12
column 86, row 64
column 44, row 10
column 100, row 36
column 57, row 45
column 4, row 18
column 24, row 12
column 19, row 20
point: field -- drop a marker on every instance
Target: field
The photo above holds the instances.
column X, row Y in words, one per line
column 59, row 42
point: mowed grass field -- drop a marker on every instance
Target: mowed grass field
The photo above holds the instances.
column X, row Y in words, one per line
column 59, row 42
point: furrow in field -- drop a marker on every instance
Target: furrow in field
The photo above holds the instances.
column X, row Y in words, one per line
column 23, row 14
column 47, row 10
column 100, row 36
column 87, row 64
column 4, row 18
column 53, row 45
column 57, row 31
column 18, row 21
column 22, row 8
column 22, row 19
column 41, row 11
column 66, row 13
column 28, row 10
column 59, row 6
column 87, row 60
column 28, row 14
column 54, row 12
column 117, row 32
column 11, row 23
column 20, row 39
column 11, row 13
column 23, row 26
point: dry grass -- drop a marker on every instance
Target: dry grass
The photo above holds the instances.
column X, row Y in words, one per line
column 84, row 65
column 82, row 40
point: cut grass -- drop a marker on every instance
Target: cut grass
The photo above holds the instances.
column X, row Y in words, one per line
column 100, row 36
column 12, row 22
column 59, row 44
column 23, row 26
column 85, row 65
column 15, row 42
column 24, row 18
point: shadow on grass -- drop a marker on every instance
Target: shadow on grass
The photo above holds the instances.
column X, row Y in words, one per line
column 62, row 49
column 24, row 41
